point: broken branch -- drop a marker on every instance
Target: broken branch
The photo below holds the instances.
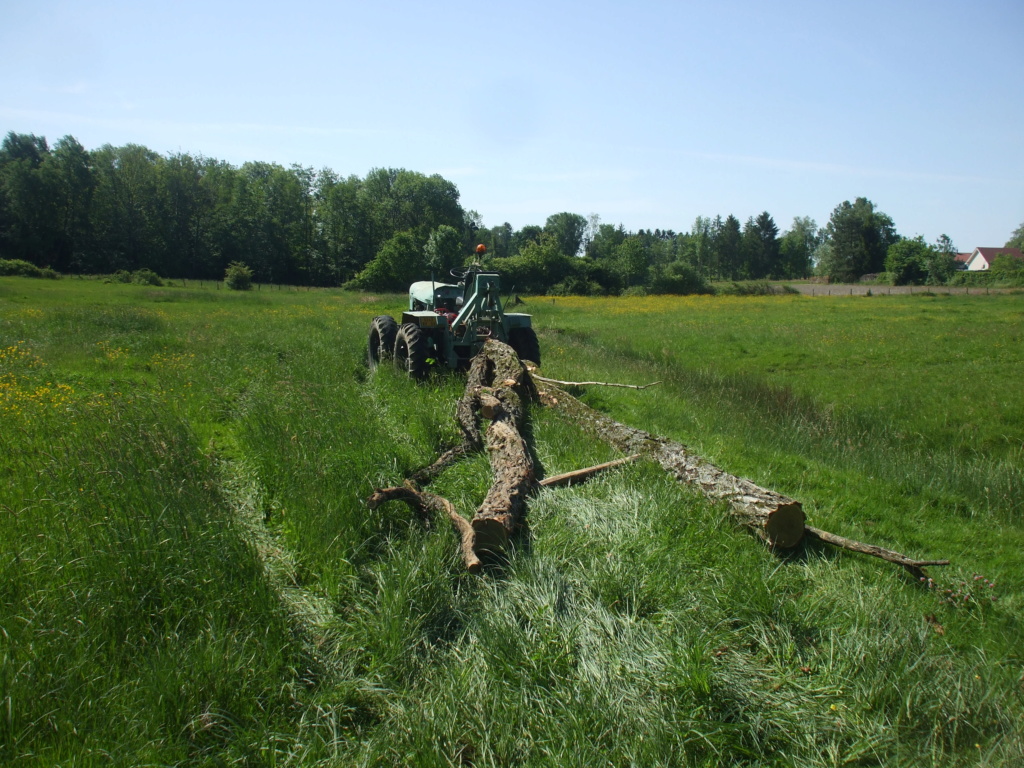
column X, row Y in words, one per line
column 914, row 566
column 546, row 380
column 578, row 475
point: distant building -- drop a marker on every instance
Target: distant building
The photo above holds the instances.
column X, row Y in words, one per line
column 981, row 258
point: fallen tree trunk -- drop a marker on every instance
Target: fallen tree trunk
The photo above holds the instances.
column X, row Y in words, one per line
column 497, row 388
column 503, row 395
column 777, row 519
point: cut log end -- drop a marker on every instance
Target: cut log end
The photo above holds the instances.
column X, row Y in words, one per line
column 785, row 525
column 491, row 536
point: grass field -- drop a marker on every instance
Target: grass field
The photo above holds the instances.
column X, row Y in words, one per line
column 189, row 573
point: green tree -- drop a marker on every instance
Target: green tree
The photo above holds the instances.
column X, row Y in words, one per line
column 1007, row 265
column 729, row 249
column 906, row 261
column 397, row 200
column 701, row 250
column 126, row 212
column 443, row 250
column 761, row 247
column 500, row 245
column 531, row 233
column 796, row 248
column 860, row 238
column 824, row 259
column 26, row 208
column 238, row 277
column 1017, row 239
column 677, row 278
column 941, row 263
column 538, row 266
column 188, row 208
column 68, row 184
column 631, row 262
column 398, row 263
column 568, row 230
column 341, row 226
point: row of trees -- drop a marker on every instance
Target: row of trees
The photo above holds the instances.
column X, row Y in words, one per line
column 129, row 208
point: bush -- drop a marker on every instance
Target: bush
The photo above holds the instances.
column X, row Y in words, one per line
column 677, row 278
column 576, row 285
column 634, row 292
column 146, row 277
column 21, row 268
column 1002, row 275
column 238, row 277
column 754, row 288
column 398, row 262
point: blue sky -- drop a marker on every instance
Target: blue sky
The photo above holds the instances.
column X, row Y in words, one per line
column 647, row 113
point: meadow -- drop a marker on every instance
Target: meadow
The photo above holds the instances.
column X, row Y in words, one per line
column 189, row 574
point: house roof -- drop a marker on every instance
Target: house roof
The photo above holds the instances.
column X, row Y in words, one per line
column 990, row 254
column 964, row 257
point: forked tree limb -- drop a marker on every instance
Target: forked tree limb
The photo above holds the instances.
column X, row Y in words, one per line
column 546, row 380
column 423, row 503
column 579, row 475
column 472, row 442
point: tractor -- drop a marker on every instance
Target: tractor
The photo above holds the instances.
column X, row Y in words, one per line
column 447, row 324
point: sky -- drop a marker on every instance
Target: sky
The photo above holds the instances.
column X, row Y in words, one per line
column 645, row 113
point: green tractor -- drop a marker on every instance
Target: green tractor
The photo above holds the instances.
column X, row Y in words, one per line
column 447, row 324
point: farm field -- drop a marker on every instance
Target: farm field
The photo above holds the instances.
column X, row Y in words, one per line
column 189, row 573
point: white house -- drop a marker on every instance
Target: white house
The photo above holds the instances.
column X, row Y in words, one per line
column 982, row 258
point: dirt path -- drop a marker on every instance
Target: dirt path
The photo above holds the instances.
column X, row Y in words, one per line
column 816, row 289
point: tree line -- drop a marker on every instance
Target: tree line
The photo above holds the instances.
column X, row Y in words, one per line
column 184, row 216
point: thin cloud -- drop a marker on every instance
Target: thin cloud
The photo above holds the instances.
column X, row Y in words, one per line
column 839, row 168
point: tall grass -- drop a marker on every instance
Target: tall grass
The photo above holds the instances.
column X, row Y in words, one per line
column 190, row 574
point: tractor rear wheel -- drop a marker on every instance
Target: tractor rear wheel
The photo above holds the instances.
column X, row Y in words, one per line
column 383, row 330
column 411, row 351
column 524, row 342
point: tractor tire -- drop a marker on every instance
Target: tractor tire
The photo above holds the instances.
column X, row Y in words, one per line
column 524, row 342
column 411, row 351
column 383, row 330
